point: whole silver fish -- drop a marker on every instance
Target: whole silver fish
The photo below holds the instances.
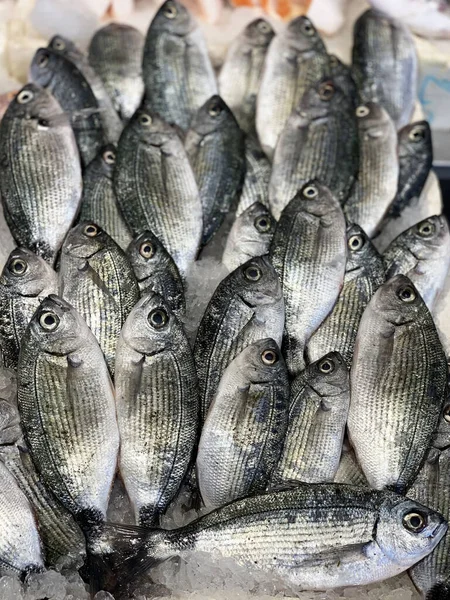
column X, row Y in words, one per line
column 398, row 385
column 349, row 471
column 68, row 413
column 385, row 65
column 364, row 273
column 178, row 87
column 257, row 176
column 156, row 189
column 97, row 279
column 216, row 150
column 376, row 183
column 157, row 407
column 308, row 251
column 250, row 236
column 243, row 434
column 25, row 281
column 40, row 173
column 422, row 253
column 341, row 74
column 247, row 306
column 156, row 271
column 99, row 203
column 296, row 60
column 115, row 54
column 319, row 141
column 241, row 71
column 69, row 86
column 320, row 397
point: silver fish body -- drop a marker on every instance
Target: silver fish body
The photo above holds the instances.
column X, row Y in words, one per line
column 243, row 434
column 398, row 385
column 40, row 173
column 364, row 273
column 257, row 176
column 96, row 278
column 318, row 407
column 25, row 281
column 157, row 407
column 308, row 251
column 349, row 471
column 178, row 87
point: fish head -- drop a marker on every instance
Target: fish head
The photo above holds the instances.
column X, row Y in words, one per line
column 256, row 223
column 27, row 274
column 84, row 240
column 397, row 301
column 259, row 32
column 44, row 65
column 302, row 35
column 146, row 254
column 64, row 46
column 372, row 120
column 328, row 376
column 10, row 429
column 429, row 239
column 173, row 18
column 321, row 99
column 213, row 115
column 257, row 282
column 415, row 139
column 317, row 200
column 147, row 127
column 360, row 249
column 262, row 361
column 407, row 531
column 37, row 108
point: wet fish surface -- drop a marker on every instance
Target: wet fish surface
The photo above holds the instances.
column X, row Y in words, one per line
column 40, row 197
column 257, row 176
column 342, row 76
column 349, row 471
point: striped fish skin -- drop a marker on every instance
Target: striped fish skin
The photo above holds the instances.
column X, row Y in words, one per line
column 376, row 183
column 422, row 253
column 247, row 306
column 67, row 408
column 342, row 76
column 349, row 471
column 319, row 141
column 40, row 197
column 257, row 176
column 240, row 75
column 161, row 195
column 250, row 236
column 99, row 203
column 385, row 65
column 156, row 271
column 178, row 87
column 243, row 434
column 398, row 385
column 157, row 407
column 313, row 536
column 25, row 281
column 364, row 273
column 96, row 278
column 296, row 60
column 115, row 54
column 68, row 85
column 318, row 407
column 215, row 147
column 308, row 251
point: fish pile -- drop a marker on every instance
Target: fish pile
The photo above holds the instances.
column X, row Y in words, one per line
column 303, row 428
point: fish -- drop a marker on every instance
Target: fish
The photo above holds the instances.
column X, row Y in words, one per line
column 385, row 64
column 364, row 273
column 68, row 414
column 10, row 429
column 161, row 195
column 422, row 253
column 250, row 236
column 241, row 71
column 96, row 278
column 246, row 306
column 215, row 147
column 115, row 54
column 295, row 61
column 40, row 197
column 25, row 281
column 257, row 176
column 349, row 471
column 342, row 76
column 157, row 407
column 318, row 407
column 376, row 182
column 68, row 85
column 178, row 87
column 398, row 385
column 99, row 203
column 319, row 141
column 309, row 253
column 244, row 431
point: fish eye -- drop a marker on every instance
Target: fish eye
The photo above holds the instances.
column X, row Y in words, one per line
column 109, row 157
column 42, row 59
column 446, row 413
column 253, row 273
column 362, row 111
column 91, row 230
column 326, row 91
column 308, row 28
column 215, row 109
column 263, row 26
column 415, row 522
column 269, row 357
column 49, row 321
column 262, row 223
column 170, row 10
column 146, row 250
column 310, row 191
column 158, row 318
column 17, row 267
column 42, row 124
column 58, row 44
column 417, row 133
column 25, row 96
column 356, row 242
column 425, row 229
column 145, row 120
column 326, row 366
column 406, row 294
